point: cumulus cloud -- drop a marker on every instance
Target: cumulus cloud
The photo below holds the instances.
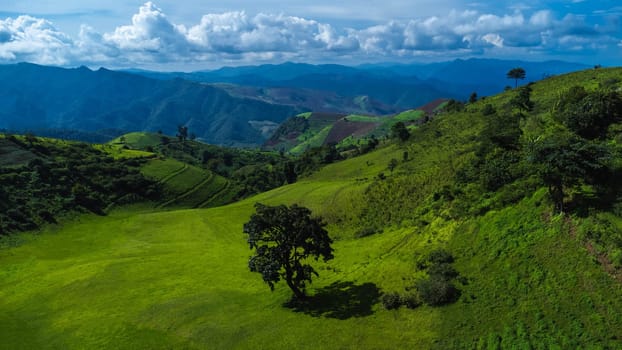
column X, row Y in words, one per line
column 33, row 39
column 152, row 38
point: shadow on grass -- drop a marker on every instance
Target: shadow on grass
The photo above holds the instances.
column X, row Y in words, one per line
column 340, row 300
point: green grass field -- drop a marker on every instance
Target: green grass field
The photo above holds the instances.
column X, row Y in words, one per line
column 138, row 140
column 179, row 279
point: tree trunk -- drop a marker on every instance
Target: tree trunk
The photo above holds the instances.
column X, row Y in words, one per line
column 289, row 276
column 557, row 195
column 300, row 295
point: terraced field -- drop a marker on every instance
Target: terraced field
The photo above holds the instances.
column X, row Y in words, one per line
column 187, row 186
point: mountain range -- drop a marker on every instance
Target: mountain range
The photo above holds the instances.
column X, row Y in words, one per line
column 35, row 97
column 236, row 106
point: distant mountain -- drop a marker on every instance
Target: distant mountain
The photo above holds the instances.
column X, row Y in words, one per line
column 237, row 106
column 35, row 97
column 391, row 90
column 484, row 76
column 401, row 86
column 313, row 100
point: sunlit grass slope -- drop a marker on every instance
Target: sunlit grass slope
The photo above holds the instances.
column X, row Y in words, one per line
column 180, row 280
column 186, row 185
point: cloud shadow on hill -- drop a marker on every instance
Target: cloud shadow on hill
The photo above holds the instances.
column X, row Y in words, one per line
column 340, row 300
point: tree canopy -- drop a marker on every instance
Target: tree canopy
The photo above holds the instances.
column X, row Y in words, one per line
column 516, row 74
column 284, row 238
column 564, row 161
column 400, row 131
column 589, row 114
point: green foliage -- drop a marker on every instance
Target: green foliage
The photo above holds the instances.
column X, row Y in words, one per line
column 437, row 291
column 440, row 256
column 589, row 114
column 453, row 106
column 391, row 300
column 283, row 238
column 488, row 110
column 522, row 99
column 66, row 177
column 399, row 131
column 565, row 161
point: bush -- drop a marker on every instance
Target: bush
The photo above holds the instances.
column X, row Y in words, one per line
column 440, row 256
column 391, row 300
column 442, row 271
column 488, row 110
column 437, row 291
column 411, row 300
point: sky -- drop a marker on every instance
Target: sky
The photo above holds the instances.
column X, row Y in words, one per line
column 205, row 34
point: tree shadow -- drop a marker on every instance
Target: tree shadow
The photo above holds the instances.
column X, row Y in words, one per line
column 340, row 300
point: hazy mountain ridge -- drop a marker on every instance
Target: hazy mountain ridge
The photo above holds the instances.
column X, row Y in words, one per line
column 243, row 114
column 35, row 97
column 400, row 85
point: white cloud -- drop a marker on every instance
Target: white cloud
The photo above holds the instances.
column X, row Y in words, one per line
column 152, row 38
column 27, row 38
column 494, row 39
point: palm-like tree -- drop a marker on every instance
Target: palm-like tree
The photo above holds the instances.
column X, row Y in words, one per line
column 516, row 73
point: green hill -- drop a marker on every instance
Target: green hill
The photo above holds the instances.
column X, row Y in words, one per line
column 310, row 130
column 472, row 182
column 188, row 186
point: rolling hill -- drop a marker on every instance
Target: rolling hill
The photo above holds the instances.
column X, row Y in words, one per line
column 530, row 275
column 345, row 131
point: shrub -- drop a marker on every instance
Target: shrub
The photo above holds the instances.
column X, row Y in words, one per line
column 411, row 300
column 391, row 300
column 488, row 110
column 616, row 257
column 440, row 256
column 437, row 291
column 443, row 271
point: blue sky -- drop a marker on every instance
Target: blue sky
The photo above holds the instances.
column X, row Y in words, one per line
column 200, row 34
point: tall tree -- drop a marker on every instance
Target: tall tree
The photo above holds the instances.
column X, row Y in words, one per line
column 589, row 114
column 516, row 74
column 284, row 238
column 566, row 161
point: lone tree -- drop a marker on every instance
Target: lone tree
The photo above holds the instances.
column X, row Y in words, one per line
column 400, row 131
column 516, row 73
column 284, row 238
